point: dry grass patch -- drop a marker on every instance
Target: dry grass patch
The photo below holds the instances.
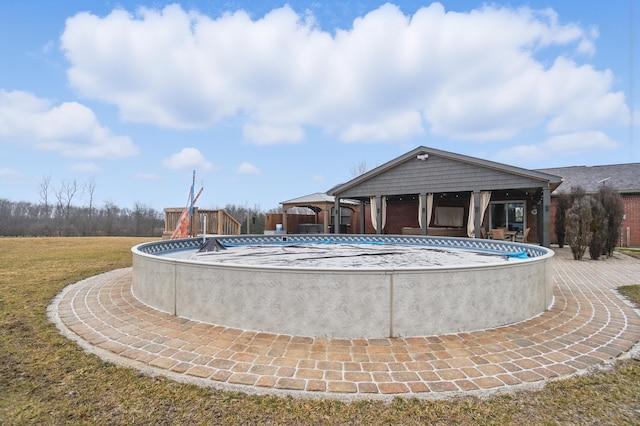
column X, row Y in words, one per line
column 630, row 251
column 47, row 379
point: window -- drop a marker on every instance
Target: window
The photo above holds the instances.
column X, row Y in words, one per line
column 508, row 215
column 345, row 216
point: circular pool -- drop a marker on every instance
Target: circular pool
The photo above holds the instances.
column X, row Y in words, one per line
column 345, row 286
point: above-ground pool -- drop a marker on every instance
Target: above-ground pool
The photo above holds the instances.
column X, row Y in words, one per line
column 345, row 286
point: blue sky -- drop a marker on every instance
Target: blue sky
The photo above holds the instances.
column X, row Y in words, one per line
column 268, row 101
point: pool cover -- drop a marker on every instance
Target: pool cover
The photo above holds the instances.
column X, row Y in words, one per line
column 350, row 256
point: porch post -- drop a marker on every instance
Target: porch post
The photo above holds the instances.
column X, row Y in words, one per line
column 546, row 216
column 379, row 213
column 284, row 219
column 325, row 219
column 336, row 216
column 363, row 216
column 423, row 213
column 477, row 219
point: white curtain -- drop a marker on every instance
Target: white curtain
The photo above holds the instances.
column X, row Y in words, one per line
column 452, row 217
column 374, row 212
column 384, row 212
column 470, row 219
column 373, row 201
column 429, row 209
column 485, row 198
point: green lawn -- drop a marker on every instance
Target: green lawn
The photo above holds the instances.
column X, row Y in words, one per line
column 47, row 379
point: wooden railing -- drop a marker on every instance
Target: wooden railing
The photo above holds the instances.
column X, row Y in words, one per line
column 217, row 222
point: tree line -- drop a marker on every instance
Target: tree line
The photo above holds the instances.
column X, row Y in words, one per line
column 58, row 213
column 589, row 221
column 26, row 219
column 21, row 218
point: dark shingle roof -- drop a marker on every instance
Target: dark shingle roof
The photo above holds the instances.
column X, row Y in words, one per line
column 624, row 178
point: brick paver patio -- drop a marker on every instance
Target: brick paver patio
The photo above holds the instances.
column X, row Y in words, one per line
column 589, row 325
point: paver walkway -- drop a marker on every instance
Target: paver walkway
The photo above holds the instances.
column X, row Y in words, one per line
column 588, row 325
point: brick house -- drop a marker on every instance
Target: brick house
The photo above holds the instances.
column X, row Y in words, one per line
column 624, row 178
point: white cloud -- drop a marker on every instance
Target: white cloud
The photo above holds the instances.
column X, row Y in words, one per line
column 48, row 47
column 69, row 129
column 634, row 119
column 387, row 128
column 9, row 176
column 146, row 176
column 9, row 173
column 560, row 146
column 269, row 135
column 478, row 75
column 86, row 167
column 188, row 158
column 248, row 169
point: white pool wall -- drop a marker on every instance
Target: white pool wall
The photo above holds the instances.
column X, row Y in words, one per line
column 346, row 303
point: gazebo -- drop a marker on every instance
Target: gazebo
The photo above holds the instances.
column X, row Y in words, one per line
column 321, row 204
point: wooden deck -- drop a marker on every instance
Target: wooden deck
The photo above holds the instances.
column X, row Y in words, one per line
column 217, row 222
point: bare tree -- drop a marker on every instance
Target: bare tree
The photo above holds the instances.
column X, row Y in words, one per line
column 138, row 216
column 359, row 169
column 110, row 212
column 252, row 219
column 27, row 219
column 90, row 189
column 58, row 193
column 43, row 192
column 64, row 194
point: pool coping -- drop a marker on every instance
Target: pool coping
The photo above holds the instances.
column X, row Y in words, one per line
column 588, row 327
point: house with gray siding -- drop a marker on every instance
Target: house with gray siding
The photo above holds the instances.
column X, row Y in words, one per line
column 432, row 192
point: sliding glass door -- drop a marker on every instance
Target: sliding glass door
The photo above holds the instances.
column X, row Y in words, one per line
column 509, row 215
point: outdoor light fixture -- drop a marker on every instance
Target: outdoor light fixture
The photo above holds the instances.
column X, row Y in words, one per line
column 422, row 157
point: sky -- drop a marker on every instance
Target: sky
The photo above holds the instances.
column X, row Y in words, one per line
column 269, row 101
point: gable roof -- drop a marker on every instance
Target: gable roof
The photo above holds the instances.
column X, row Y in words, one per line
column 318, row 197
column 624, row 178
column 315, row 199
column 539, row 176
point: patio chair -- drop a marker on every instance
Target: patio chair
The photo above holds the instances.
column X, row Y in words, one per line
column 497, row 234
column 525, row 234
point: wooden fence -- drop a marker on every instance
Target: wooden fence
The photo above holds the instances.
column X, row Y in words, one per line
column 217, row 222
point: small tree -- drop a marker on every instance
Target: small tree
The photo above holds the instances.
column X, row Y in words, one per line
column 578, row 226
column 614, row 208
column 598, row 228
column 90, row 188
column 44, row 188
column 359, row 169
column 562, row 205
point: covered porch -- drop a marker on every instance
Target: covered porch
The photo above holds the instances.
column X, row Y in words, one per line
column 433, row 192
